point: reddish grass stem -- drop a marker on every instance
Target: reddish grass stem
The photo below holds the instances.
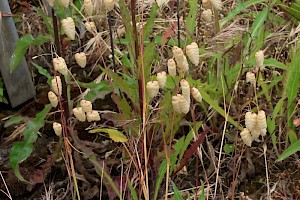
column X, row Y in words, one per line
column 178, row 23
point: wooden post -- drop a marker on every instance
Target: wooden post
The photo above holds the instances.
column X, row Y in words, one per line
column 18, row 84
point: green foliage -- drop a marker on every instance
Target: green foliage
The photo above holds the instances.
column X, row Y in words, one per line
column 132, row 191
column 292, row 83
column 22, row 150
column 293, row 10
column 191, row 20
column 14, row 120
column 150, row 22
column 228, row 148
column 47, row 20
column 201, row 196
column 241, row 7
column 295, row 147
column 97, row 90
column 115, row 135
column 220, row 110
column 130, row 89
column 177, row 195
column 161, row 174
column 23, row 44
column 256, row 28
column 43, row 72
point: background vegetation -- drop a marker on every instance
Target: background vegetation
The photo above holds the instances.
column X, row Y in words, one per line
column 141, row 148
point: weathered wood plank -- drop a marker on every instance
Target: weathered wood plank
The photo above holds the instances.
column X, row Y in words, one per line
column 18, row 84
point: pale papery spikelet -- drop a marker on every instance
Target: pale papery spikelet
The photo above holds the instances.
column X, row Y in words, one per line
column 86, row 105
column 250, row 121
column 250, row 78
column 255, row 133
column 57, row 128
column 246, row 137
column 192, row 51
column 216, row 4
column 184, row 104
column 81, row 59
column 172, row 68
column 236, row 86
column 88, row 7
column 206, row 4
column 161, row 79
column 64, row 3
column 68, row 26
column 90, row 27
column 56, row 85
column 109, row 4
column 178, row 54
column 196, row 94
column 93, row 116
column 259, row 57
column 185, row 88
column 262, row 122
column 152, row 88
column 60, row 65
column 207, row 15
column 53, row 99
column 79, row 114
column 51, row 2
column 183, row 66
column 176, row 103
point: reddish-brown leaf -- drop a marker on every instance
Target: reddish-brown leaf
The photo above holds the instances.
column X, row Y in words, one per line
column 190, row 151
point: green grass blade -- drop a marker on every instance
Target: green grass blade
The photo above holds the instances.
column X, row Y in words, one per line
column 177, row 195
column 292, row 9
column 191, row 20
column 256, row 29
column 274, row 63
column 295, row 147
column 22, row 150
column 292, row 84
column 215, row 105
column 134, row 195
column 201, row 196
column 150, row 22
column 240, row 8
column 161, row 174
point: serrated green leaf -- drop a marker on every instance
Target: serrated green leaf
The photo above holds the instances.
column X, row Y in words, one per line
column 43, row 72
column 115, row 135
column 22, row 45
column 22, row 150
column 13, row 120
